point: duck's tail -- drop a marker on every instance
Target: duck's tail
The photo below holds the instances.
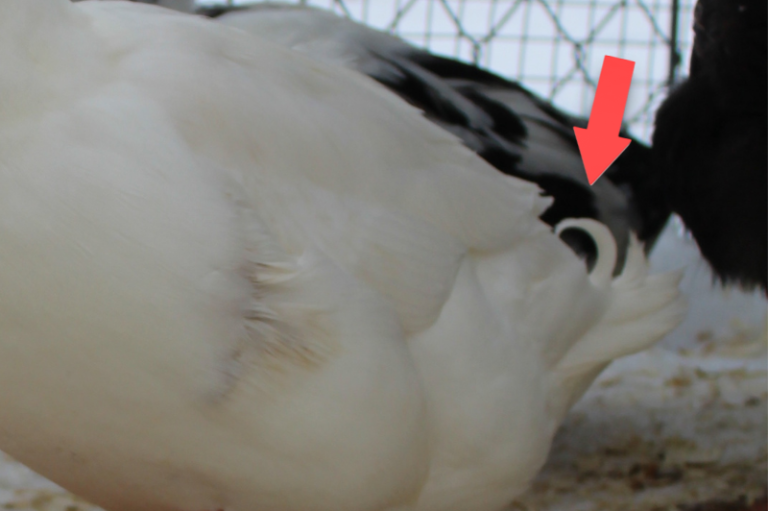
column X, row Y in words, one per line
column 641, row 309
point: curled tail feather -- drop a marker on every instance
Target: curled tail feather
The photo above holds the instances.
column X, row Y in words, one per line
column 641, row 309
column 607, row 252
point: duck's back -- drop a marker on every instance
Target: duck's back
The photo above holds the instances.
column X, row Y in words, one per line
column 508, row 126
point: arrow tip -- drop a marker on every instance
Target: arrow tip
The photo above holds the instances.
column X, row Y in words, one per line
column 598, row 151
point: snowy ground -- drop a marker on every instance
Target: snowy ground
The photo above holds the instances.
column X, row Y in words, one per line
column 681, row 427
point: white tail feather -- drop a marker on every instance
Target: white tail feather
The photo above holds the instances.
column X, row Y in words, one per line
column 602, row 273
column 641, row 310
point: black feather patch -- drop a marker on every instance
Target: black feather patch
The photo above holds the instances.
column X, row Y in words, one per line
column 421, row 94
column 506, row 123
column 502, row 139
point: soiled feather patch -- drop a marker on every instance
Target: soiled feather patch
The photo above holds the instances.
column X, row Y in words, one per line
column 277, row 335
column 294, row 334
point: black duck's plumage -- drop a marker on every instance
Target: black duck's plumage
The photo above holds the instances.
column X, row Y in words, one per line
column 711, row 140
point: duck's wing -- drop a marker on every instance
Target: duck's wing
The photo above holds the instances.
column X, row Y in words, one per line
column 511, row 128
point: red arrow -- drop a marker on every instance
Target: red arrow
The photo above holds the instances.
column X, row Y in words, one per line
column 600, row 144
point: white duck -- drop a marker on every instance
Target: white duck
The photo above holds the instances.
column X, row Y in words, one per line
column 232, row 278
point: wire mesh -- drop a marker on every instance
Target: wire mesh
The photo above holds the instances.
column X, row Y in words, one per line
column 553, row 47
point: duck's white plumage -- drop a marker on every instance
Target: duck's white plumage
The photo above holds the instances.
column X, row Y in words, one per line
column 233, row 278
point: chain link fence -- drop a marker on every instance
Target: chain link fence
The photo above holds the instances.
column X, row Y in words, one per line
column 554, row 47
